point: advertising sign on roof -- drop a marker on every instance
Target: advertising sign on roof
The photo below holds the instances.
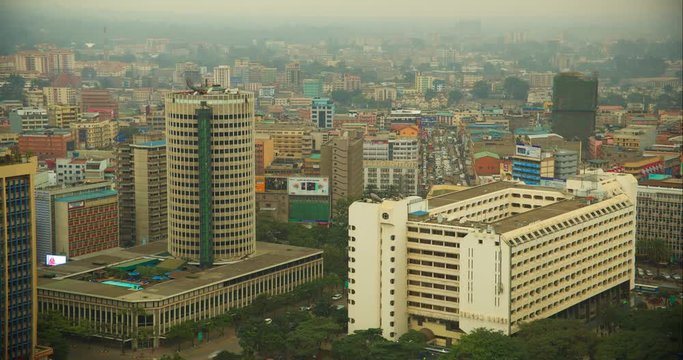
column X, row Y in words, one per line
column 317, row 186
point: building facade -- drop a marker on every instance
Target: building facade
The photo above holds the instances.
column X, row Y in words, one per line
column 575, row 102
column 480, row 257
column 397, row 176
column 26, row 119
column 95, row 134
column 210, row 157
column 18, row 316
column 322, row 113
column 660, row 213
column 47, row 144
column 341, row 160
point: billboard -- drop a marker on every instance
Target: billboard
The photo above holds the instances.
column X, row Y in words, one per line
column 54, row 260
column 260, row 184
column 528, row 151
column 276, row 183
column 316, row 186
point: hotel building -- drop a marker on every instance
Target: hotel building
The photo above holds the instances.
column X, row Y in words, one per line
column 493, row 256
column 210, row 157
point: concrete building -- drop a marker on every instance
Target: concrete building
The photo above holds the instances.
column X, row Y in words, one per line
column 264, row 154
column 210, row 156
column 407, row 116
column 530, row 165
column 341, row 160
column 635, row 137
column 322, row 113
column 384, row 148
column 60, row 96
column 46, row 215
column 100, row 101
column 541, row 80
column 289, row 140
column 26, row 119
column 481, row 257
column 221, row 76
column 95, row 134
column 351, row 82
column 397, row 175
column 566, row 163
column 47, row 144
column 18, row 315
column 293, row 74
column 70, row 171
column 113, row 311
column 141, row 182
column 62, row 116
column 660, row 213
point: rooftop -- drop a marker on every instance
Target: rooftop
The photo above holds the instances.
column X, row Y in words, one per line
column 267, row 255
column 543, row 213
column 472, row 192
column 88, row 196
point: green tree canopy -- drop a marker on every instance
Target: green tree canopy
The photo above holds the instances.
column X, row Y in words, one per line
column 483, row 344
column 516, row 88
column 557, row 339
column 481, row 89
column 454, row 96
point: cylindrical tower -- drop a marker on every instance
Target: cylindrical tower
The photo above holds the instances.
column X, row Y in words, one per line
column 210, row 157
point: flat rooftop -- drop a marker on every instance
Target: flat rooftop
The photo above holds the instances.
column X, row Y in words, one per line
column 543, row 213
column 267, row 255
column 453, row 197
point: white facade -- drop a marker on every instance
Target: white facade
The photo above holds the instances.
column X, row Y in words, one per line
column 391, row 149
column 383, row 175
column 70, row 171
column 377, row 254
column 221, row 76
column 495, row 256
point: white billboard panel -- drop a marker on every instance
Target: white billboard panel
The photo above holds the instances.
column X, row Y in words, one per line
column 309, row 186
column 54, row 260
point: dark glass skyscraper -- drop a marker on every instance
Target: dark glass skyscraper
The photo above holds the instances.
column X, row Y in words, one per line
column 575, row 100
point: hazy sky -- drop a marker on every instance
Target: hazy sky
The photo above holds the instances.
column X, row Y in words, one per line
column 613, row 9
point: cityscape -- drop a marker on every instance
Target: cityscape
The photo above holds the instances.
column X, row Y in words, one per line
column 340, row 180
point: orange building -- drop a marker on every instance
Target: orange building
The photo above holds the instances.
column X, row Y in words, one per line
column 264, row 154
column 47, row 144
column 486, row 163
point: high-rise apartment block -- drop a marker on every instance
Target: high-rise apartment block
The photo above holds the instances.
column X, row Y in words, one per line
column 322, row 113
column 293, row 74
column 384, row 175
column 62, row 116
column 95, row 134
column 575, row 102
column 141, row 180
column 60, row 96
column 18, row 315
column 210, row 156
column 221, row 76
column 341, row 161
column 494, row 256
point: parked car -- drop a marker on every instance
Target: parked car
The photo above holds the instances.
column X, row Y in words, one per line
column 268, row 321
column 336, row 296
column 676, row 276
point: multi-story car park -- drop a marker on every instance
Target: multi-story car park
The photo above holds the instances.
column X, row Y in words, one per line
column 492, row 256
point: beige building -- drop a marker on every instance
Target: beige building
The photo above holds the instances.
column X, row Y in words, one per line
column 62, row 116
column 221, row 76
column 95, row 134
column 493, row 256
column 660, row 213
column 210, row 156
column 141, row 181
column 341, row 160
column 289, row 140
column 60, row 96
column 635, row 137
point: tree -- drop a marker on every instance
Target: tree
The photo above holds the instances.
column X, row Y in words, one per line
column 306, row 339
column 516, row 88
column 14, row 89
column 429, row 94
column 52, row 327
column 483, row 344
column 635, row 345
column 557, row 339
column 655, row 250
column 454, row 96
column 357, row 345
column 226, row 355
column 175, row 356
column 481, row 89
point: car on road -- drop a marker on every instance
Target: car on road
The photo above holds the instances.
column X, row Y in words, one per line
column 268, row 321
column 676, row 277
column 649, row 273
column 336, row 296
column 304, row 308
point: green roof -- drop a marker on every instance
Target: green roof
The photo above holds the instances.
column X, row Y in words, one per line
column 315, row 156
column 131, row 265
column 482, row 154
column 88, row 196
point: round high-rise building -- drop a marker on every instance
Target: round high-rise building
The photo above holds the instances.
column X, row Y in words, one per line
column 210, row 157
